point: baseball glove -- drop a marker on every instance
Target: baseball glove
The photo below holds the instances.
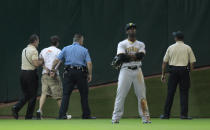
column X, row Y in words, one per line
column 116, row 63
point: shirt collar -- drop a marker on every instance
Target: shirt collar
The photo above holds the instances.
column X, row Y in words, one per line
column 76, row 43
column 53, row 46
column 179, row 42
column 29, row 45
column 131, row 41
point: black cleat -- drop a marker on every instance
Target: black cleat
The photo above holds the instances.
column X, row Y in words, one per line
column 15, row 113
column 164, row 117
column 147, row 122
column 115, row 122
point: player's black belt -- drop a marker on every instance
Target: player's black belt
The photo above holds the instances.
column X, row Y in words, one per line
column 81, row 68
column 132, row 67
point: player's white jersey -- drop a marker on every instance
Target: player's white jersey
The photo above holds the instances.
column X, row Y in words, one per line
column 49, row 55
column 129, row 47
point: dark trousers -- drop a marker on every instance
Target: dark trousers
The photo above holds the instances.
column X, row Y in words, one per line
column 178, row 76
column 29, row 85
column 74, row 77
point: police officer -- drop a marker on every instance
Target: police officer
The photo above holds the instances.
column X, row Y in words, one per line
column 78, row 71
column 178, row 56
column 29, row 78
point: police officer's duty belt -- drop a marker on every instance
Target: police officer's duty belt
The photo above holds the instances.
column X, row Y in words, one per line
column 69, row 67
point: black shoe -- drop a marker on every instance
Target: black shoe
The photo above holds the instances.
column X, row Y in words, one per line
column 186, row 118
column 164, row 117
column 30, row 118
column 38, row 115
column 89, row 117
column 15, row 113
column 62, row 118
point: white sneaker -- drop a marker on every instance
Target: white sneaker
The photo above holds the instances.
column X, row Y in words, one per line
column 68, row 117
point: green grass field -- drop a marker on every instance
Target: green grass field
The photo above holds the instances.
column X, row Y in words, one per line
column 105, row 124
column 101, row 102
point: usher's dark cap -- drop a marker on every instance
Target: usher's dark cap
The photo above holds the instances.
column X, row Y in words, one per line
column 178, row 35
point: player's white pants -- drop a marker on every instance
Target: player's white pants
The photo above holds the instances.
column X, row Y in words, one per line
column 125, row 79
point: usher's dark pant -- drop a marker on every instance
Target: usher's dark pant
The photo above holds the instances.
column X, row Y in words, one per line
column 74, row 77
column 178, row 76
column 29, row 85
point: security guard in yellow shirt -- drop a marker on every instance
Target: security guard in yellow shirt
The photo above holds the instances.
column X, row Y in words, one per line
column 29, row 78
column 179, row 56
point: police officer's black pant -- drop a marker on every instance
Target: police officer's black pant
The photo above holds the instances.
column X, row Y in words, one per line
column 74, row 77
column 178, row 76
column 29, row 85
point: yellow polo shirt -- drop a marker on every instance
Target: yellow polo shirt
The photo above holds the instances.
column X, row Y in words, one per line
column 179, row 54
column 28, row 54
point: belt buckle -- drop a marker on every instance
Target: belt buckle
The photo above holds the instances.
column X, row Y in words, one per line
column 133, row 67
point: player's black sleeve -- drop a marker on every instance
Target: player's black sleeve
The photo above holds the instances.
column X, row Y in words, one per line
column 140, row 55
column 123, row 58
column 119, row 59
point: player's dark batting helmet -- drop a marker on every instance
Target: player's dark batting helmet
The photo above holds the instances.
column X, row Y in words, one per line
column 129, row 25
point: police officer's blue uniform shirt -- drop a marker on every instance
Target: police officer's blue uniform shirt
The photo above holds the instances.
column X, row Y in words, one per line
column 75, row 55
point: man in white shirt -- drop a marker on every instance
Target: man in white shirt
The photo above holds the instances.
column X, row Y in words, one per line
column 51, row 85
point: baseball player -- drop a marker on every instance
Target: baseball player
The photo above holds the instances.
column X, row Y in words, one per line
column 130, row 53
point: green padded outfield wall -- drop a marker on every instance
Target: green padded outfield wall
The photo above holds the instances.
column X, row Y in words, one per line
column 19, row 19
column 102, row 23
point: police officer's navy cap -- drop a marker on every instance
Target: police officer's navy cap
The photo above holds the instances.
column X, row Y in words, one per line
column 130, row 25
column 178, row 34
